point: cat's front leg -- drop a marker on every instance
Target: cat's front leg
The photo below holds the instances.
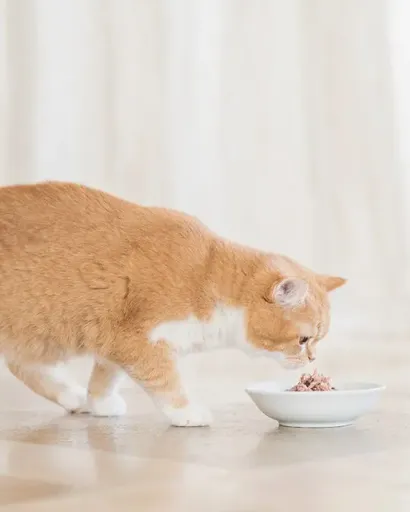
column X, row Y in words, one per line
column 156, row 370
column 190, row 415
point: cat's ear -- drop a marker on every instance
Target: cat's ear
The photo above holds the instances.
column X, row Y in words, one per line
column 330, row 283
column 289, row 292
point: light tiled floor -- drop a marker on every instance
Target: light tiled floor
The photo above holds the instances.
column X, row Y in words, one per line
column 51, row 462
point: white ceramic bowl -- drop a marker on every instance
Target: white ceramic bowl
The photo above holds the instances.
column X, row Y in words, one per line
column 315, row 409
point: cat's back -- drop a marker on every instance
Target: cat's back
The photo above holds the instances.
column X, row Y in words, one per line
column 66, row 219
column 55, row 205
column 44, row 203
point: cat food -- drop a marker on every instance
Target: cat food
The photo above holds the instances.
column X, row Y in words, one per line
column 313, row 382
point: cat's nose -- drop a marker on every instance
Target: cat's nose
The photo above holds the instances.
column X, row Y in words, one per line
column 311, row 357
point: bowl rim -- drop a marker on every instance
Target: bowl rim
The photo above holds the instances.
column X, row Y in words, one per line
column 371, row 387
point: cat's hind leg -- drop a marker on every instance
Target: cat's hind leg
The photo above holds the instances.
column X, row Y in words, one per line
column 51, row 382
column 103, row 396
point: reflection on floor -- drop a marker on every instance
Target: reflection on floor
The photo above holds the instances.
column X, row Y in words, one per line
column 52, row 462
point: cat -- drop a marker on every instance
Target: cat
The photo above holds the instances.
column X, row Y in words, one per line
column 85, row 273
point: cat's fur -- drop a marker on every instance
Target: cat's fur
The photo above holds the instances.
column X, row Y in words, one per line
column 83, row 272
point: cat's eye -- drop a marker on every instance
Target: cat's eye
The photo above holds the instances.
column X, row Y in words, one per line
column 303, row 340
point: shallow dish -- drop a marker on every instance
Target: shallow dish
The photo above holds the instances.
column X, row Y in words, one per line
column 316, row 409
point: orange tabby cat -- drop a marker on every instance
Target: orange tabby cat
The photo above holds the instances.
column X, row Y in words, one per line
column 83, row 272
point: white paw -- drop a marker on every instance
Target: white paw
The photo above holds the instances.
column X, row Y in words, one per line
column 74, row 400
column 192, row 415
column 111, row 405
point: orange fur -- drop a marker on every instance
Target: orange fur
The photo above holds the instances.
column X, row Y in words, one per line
column 83, row 272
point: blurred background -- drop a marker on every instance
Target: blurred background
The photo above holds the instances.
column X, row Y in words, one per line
column 281, row 124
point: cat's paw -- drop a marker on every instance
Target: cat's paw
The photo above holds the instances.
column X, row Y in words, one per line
column 110, row 405
column 192, row 415
column 74, row 400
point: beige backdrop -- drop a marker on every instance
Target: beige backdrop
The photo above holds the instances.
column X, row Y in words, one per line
column 282, row 123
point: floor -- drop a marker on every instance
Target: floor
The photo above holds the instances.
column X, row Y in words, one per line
column 49, row 461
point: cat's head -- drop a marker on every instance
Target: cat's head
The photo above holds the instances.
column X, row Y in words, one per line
column 289, row 314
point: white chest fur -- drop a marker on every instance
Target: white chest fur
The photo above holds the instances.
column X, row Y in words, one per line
column 225, row 328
